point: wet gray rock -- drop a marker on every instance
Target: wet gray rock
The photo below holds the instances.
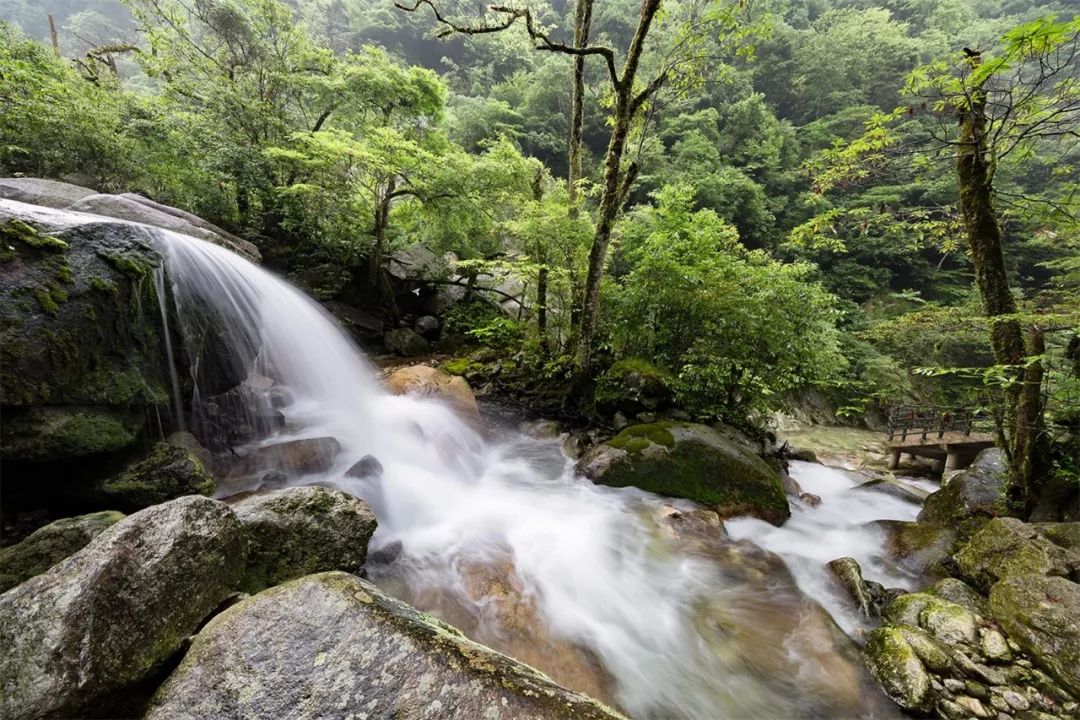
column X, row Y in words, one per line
column 303, row 530
column 50, row 544
column 332, row 645
column 168, row 471
column 46, row 193
column 112, row 614
column 367, row 466
column 427, row 325
column 848, row 573
column 135, row 208
column 977, row 492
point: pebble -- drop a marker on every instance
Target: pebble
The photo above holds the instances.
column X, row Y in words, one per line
column 973, row 706
column 999, row 702
column 954, row 685
column 1016, row 700
column 993, row 645
column 976, row 689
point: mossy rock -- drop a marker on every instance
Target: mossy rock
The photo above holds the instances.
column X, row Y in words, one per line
column 50, row 544
column 919, row 547
column 690, row 461
column 303, row 530
column 1005, row 547
column 168, row 471
column 632, row 385
column 334, row 645
column 1042, row 614
column 896, row 665
column 81, row 356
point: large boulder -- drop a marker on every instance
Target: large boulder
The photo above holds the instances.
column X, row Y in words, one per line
column 897, row 666
column 50, row 544
column 168, row 471
column 112, row 614
column 919, row 547
column 47, row 193
column 1005, row 547
column 81, row 357
column 977, row 492
column 303, row 530
column 691, row 461
column 427, row 381
column 135, row 208
column 332, row 645
column 631, row 386
column 1043, row 615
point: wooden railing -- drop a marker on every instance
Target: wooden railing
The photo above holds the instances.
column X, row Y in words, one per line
column 929, row 421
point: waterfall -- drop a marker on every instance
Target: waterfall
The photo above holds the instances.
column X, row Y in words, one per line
column 599, row 587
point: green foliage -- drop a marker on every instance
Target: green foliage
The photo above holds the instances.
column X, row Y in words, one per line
column 736, row 328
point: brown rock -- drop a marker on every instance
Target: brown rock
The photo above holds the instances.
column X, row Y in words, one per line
column 427, row 381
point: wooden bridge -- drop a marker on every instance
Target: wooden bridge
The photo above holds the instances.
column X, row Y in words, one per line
column 951, row 437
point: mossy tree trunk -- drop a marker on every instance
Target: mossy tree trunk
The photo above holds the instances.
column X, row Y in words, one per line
column 1023, row 411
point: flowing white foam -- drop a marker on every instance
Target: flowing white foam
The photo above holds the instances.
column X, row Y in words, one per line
column 838, row 527
column 669, row 626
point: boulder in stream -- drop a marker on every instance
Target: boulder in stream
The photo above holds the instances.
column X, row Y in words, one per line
column 303, row 530
column 690, row 461
column 976, row 493
column 406, row 342
column 423, row 380
column 115, row 612
column 337, row 646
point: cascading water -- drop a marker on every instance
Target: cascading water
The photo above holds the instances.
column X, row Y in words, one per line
column 613, row 592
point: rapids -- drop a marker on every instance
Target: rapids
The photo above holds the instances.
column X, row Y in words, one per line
column 614, row 592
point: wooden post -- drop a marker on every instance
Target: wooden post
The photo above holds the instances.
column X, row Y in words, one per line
column 894, row 460
column 52, row 31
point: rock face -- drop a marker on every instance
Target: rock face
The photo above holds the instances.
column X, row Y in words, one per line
column 406, row 342
column 48, row 545
column 168, row 471
column 332, row 645
column 979, row 491
column 303, row 530
column 79, row 363
column 1006, row 547
column 47, row 193
column 428, row 381
column 114, row 612
column 1043, row 615
column 690, row 461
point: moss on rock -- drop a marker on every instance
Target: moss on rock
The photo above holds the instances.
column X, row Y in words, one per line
column 1005, row 547
column 897, row 666
column 50, row 544
column 167, row 472
column 690, row 461
column 303, row 530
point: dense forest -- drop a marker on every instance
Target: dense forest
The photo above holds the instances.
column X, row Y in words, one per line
column 716, row 358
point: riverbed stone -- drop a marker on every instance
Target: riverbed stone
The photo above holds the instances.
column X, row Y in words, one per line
column 426, row 381
column 897, row 667
column 1005, row 547
column 948, row 622
column 977, row 492
column 295, row 458
column 847, row 572
column 919, row 547
column 113, row 613
column 690, row 461
column 338, row 646
column 1042, row 614
column 406, row 342
column 303, row 530
column 50, row 544
column 168, row 471
column 959, row 592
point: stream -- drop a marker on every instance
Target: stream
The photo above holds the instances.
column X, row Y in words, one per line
column 644, row 602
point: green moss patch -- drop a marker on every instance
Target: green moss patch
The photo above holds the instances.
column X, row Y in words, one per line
column 16, row 231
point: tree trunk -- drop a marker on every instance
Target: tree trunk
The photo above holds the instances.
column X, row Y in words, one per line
column 376, row 276
column 582, row 23
column 542, row 274
column 987, row 254
column 611, row 193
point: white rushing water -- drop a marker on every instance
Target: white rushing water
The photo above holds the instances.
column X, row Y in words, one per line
column 587, row 582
